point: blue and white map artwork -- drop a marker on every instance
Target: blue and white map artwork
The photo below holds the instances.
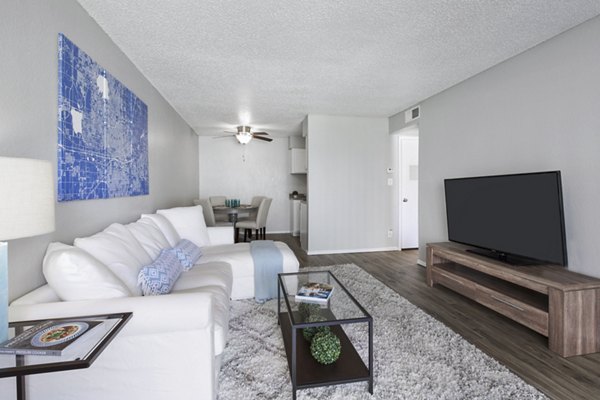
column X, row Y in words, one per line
column 102, row 131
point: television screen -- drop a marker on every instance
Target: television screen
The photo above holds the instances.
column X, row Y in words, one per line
column 519, row 215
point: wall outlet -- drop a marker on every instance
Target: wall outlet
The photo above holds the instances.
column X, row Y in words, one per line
column 390, row 181
column 390, row 233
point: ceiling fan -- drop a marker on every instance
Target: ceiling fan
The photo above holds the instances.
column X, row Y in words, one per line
column 244, row 135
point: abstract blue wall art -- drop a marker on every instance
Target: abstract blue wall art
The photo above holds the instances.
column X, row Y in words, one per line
column 102, row 131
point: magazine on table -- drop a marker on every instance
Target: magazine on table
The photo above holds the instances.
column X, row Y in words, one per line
column 314, row 292
column 48, row 338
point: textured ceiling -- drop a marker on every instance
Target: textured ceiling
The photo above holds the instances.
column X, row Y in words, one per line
column 275, row 61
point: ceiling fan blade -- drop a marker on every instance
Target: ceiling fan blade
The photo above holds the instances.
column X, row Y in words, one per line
column 222, row 137
column 229, row 132
column 259, row 133
column 263, row 138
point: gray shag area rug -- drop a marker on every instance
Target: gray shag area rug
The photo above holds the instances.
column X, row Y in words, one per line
column 415, row 356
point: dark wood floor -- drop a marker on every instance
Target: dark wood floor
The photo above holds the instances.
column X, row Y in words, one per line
column 518, row 348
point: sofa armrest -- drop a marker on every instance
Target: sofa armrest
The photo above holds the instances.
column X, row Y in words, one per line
column 220, row 235
column 151, row 314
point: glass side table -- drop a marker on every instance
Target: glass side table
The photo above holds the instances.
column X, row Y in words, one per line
column 81, row 354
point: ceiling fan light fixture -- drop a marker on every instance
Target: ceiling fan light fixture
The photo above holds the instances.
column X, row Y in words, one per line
column 243, row 137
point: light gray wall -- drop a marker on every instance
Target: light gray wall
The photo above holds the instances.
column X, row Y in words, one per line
column 349, row 201
column 230, row 169
column 537, row 111
column 397, row 122
column 28, row 125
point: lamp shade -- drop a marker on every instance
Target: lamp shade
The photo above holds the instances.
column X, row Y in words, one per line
column 26, row 198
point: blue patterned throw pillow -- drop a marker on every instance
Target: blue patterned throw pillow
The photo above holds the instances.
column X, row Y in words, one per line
column 160, row 276
column 187, row 253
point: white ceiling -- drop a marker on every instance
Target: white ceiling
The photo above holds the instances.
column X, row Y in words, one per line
column 279, row 60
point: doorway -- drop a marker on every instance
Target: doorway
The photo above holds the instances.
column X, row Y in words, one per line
column 408, row 157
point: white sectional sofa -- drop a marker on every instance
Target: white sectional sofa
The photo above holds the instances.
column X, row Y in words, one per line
column 171, row 347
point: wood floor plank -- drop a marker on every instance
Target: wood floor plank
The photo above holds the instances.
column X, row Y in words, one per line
column 521, row 350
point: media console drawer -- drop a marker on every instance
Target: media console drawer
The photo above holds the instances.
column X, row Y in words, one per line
column 553, row 301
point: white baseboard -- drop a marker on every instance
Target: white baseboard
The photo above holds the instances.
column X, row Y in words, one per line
column 421, row 263
column 368, row 250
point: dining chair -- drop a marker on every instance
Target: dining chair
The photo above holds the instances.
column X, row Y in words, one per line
column 255, row 203
column 220, row 217
column 207, row 210
column 259, row 224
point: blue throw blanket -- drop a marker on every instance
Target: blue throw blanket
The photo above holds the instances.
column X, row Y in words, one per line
column 268, row 262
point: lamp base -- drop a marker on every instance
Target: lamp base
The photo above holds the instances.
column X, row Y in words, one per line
column 3, row 291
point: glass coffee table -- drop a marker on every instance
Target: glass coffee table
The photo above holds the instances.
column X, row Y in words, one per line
column 341, row 309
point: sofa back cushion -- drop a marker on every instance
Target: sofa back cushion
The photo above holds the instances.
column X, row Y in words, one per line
column 163, row 224
column 149, row 236
column 189, row 224
column 118, row 249
column 74, row 274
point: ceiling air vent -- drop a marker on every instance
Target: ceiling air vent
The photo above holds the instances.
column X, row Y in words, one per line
column 412, row 114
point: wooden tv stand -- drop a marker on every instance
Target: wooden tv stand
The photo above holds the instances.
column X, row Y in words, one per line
column 553, row 301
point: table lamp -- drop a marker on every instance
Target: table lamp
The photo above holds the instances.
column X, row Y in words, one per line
column 26, row 209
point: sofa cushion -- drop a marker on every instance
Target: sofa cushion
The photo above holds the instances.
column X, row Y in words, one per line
column 120, row 252
column 189, row 223
column 238, row 255
column 160, row 276
column 74, row 274
column 149, row 236
column 43, row 294
column 188, row 253
column 209, row 274
column 163, row 224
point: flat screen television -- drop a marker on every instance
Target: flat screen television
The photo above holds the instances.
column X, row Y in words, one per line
column 516, row 218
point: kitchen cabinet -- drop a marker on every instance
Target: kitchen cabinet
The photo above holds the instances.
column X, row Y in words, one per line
column 298, row 161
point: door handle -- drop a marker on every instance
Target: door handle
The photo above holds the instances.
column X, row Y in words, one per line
column 405, row 200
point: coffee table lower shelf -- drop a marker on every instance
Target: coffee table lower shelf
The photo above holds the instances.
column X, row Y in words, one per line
column 309, row 373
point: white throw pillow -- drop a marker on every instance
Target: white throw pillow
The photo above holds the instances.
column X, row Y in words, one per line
column 75, row 275
column 189, row 224
column 163, row 224
column 149, row 236
column 119, row 251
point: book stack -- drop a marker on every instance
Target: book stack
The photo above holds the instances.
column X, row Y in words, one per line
column 48, row 338
column 314, row 292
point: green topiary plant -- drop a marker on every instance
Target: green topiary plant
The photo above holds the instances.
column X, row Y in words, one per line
column 326, row 347
column 307, row 309
column 308, row 333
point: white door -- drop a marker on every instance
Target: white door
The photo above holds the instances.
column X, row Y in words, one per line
column 409, row 192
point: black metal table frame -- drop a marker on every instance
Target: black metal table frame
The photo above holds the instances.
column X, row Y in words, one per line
column 295, row 327
column 21, row 370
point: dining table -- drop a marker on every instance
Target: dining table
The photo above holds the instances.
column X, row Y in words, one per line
column 233, row 214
